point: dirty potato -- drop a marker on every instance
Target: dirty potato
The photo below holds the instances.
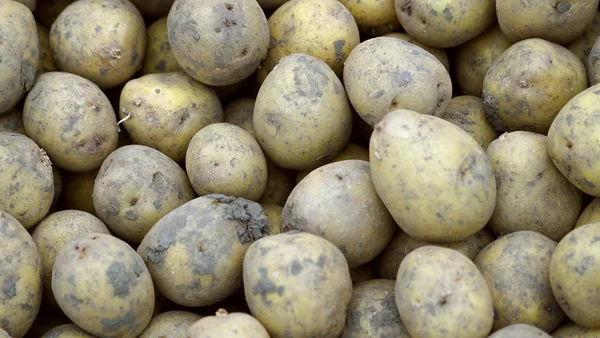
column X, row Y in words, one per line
column 371, row 13
column 12, row 121
column 520, row 331
column 224, row 325
column 67, row 331
column 572, row 330
column 593, row 64
column 239, row 112
column 47, row 63
column 158, row 57
column 439, row 53
column 77, row 192
column 173, row 324
column 280, row 183
column 273, row 213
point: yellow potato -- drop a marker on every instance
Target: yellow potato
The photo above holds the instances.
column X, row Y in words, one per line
column 520, row 331
column 572, row 330
column 439, row 53
column 47, row 63
column 591, row 214
column 239, row 112
column 159, row 58
column 273, row 213
column 371, row 13
column 583, row 44
column 225, row 325
column 174, row 324
column 67, row 331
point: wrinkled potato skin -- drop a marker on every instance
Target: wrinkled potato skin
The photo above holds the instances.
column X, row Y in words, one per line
column 575, row 275
column 83, row 129
column 280, row 183
column 20, row 276
column 520, row 331
column 591, row 214
column 78, row 189
column 388, row 262
column 439, row 53
column 273, row 213
column 440, row 293
column 167, row 110
column 406, row 77
column 430, row 206
column 153, row 8
column 371, row 13
column 47, row 11
column 570, row 142
column 103, row 286
column 20, row 63
column 12, row 122
column 135, row 187
column 297, row 285
column 239, row 112
column 593, row 64
column 170, row 324
column 549, row 20
column 583, row 44
column 159, row 57
column 26, row 184
column 47, row 63
column 572, row 330
column 350, row 152
column 302, row 116
column 515, row 267
column 526, row 86
column 67, row 331
column 228, row 325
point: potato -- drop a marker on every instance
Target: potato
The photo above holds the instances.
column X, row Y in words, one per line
column 53, row 232
column 82, row 130
column 437, row 170
column 575, row 275
column 58, row 183
column 440, row 293
column 338, row 202
column 271, row 4
column 67, row 331
column 4, row 334
column 520, row 331
column 29, row 3
column 46, row 11
column 103, row 286
column 362, row 273
column 239, row 112
column 174, row 324
column 26, row 184
column 158, row 57
column 280, row 183
column 447, row 23
column 439, row 53
column 273, row 213
column 47, row 63
column 557, row 21
column 532, row 194
column 381, row 30
column 302, row 116
column 167, row 110
column 373, row 313
column 230, row 91
column 593, row 63
column 401, row 76
column 572, row 330
column 526, row 86
column 20, row 277
column 467, row 112
column 153, row 8
column 103, row 41
column 223, row 48
column 135, row 187
column 297, row 285
column 224, row 158
column 350, row 152
column 12, row 122
column 515, row 267
column 324, row 29
column 591, row 214
column 371, row 13
column 474, row 58
column 571, row 142
column 583, row 44
column 388, row 262
column 224, row 325
column 19, row 60
column 78, row 189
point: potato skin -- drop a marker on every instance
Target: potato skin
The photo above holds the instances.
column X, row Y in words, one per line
column 370, row 13
column 170, row 324
column 20, row 277
column 430, row 206
column 520, row 331
column 439, row 53
column 572, row 330
column 583, row 44
column 67, row 331
column 406, row 77
column 239, row 112
column 280, row 183
column 78, row 189
column 593, row 63
column 225, row 325
column 158, row 57
column 440, row 292
column 47, row 63
column 153, row 8
column 297, row 285
column 4, row 334
column 591, row 214
column 350, row 152
column 273, row 213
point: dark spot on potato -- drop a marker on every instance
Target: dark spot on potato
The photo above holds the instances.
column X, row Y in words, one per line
column 74, row 300
column 253, row 223
column 492, row 114
column 160, row 66
column 120, row 278
column 229, row 23
column 27, row 75
column 338, row 45
column 443, row 301
column 540, row 175
column 134, row 57
column 447, row 14
column 570, row 145
column 110, row 325
column 103, row 71
column 401, row 79
column 133, row 201
column 131, row 215
column 200, row 247
column 218, row 30
column 393, row 106
column 98, row 28
column 563, row 7
column 440, row 102
column 81, row 251
column 229, row 6
column 9, row 287
column 244, row 52
column 164, row 240
column 407, row 8
column 265, row 286
column 296, row 268
column 157, row 91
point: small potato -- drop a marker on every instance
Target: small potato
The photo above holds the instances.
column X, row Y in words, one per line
column 388, row 262
column 46, row 11
column 302, row 116
column 47, row 63
column 515, row 267
column 67, row 331
column 78, row 189
column 280, row 183
column 103, row 286
column 273, row 213
column 440, row 293
column 153, row 8
column 158, row 57
column 520, row 331
column 572, row 330
column 225, row 325
column 362, row 273
column 103, row 41
column 172, row 324
column 72, row 119
column 239, row 112
column 373, row 313
column 167, row 110
column 593, row 63
column 339, row 203
column 12, row 122
column 583, row 44
column 575, row 275
column 437, row 170
column 20, row 277
column 225, row 159
column 371, row 13
column 591, row 214
column 297, row 285
column 26, row 179
column 135, row 187
column 401, row 76
column 439, row 53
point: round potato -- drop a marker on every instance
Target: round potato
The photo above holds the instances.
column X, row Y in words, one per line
column 437, row 170
column 153, row 8
column 103, row 286
column 273, row 213
column 225, row 325
column 166, row 110
column 223, row 48
column 439, row 53
column 440, row 293
column 401, row 76
column 20, row 277
column 371, row 13
column 12, row 122
column 280, row 183
column 67, row 331
column 103, row 41
column 445, row 23
column 239, row 112
column 47, row 63
column 572, row 330
column 297, row 285
column 158, row 57
column 46, row 11
column 583, row 44
column 593, row 63
column 72, row 119
column 175, row 324
column 520, row 331
column 515, row 267
column 591, row 214
column 26, row 184
column 19, row 56
column 526, row 86
column 302, row 116
column 557, row 21
column 77, row 192
column 575, row 275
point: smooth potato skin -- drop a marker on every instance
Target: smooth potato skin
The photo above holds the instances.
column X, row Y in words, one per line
column 371, row 13
column 591, row 214
column 439, row 53
column 520, row 331
column 159, row 57
column 593, row 64
column 437, row 170
column 78, row 189
column 228, row 325
column 297, row 285
column 572, row 330
column 239, row 112
column 174, row 324
column 67, row 331
column 12, row 122
column 20, row 277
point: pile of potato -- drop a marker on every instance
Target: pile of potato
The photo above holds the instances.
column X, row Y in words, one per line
column 299, row 168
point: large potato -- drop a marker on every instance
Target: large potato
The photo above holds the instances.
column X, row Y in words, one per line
column 77, row 192
column 439, row 53
column 153, row 8
column 440, row 293
column 438, row 170
column 224, row 325
column 384, row 74
column 520, row 331
column 302, row 116
column 158, row 57
column 280, row 183
column 526, row 86
column 67, row 331
column 593, row 63
column 371, row 13
column 172, row 324
column 591, row 213
column 572, row 330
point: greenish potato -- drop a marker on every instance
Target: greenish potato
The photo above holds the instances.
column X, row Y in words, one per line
column 520, row 331
column 593, row 64
column 371, row 13
column 591, row 214
column 239, row 112
column 280, row 183
column 12, row 121
column 77, row 192
column 350, row 152
column 273, row 213
column 583, row 44
column 173, row 324
column 225, row 325
column 439, row 53
column 47, row 11
column 572, row 330
column 67, row 331
column 158, row 57
column 153, row 8
column 47, row 63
